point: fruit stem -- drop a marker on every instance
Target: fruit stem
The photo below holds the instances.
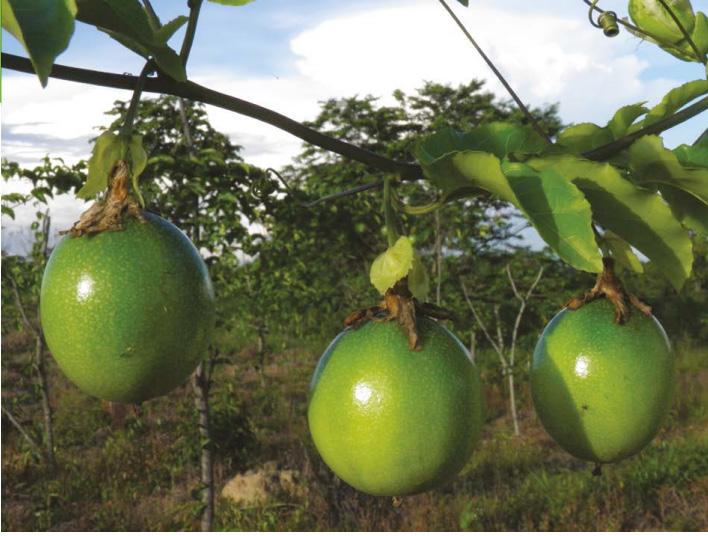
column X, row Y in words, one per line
column 109, row 215
column 127, row 128
column 389, row 214
column 609, row 286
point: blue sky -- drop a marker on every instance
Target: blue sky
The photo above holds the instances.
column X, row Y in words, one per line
column 289, row 55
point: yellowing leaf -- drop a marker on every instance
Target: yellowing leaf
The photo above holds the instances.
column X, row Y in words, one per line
column 392, row 265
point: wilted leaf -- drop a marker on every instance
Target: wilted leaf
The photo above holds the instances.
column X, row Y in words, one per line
column 108, row 149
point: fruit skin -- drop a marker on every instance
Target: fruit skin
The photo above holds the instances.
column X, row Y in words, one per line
column 651, row 16
column 391, row 421
column 601, row 389
column 127, row 314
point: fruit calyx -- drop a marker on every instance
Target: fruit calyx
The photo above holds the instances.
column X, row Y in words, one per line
column 399, row 304
column 609, row 286
column 109, row 215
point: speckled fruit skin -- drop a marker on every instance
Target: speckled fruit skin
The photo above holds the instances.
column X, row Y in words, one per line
column 391, row 421
column 601, row 389
column 127, row 314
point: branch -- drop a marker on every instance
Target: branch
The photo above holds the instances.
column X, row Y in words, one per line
column 24, row 433
column 195, row 92
column 606, row 151
column 20, row 307
column 522, row 308
column 194, row 8
column 481, row 324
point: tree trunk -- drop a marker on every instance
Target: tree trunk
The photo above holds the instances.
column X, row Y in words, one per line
column 473, row 345
column 40, row 365
column 200, row 382
column 512, row 401
column 261, row 355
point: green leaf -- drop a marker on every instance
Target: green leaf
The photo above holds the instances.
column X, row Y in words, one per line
column 125, row 17
column 558, row 211
column 692, row 155
column 587, row 136
column 499, row 138
column 467, row 171
column 653, row 17
column 8, row 211
column 418, row 281
column 43, row 27
column 127, row 22
column 674, row 100
column 584, row 137
column 622, row 252
column 392, row 265
column 637, row 215
column 699, row 36
column 689, row 210
column 109, row 148
column 652, row 164
column 169, row 62
column 624, row 117
column 168, row 30
column 232, row 2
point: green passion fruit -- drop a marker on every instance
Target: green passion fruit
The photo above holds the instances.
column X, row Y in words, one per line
column 127, row 314
column 602, row 389
column 392, row 421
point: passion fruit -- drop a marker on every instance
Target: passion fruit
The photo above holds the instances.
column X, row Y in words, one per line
column 127, row 314
column 393, row 421
column 602, row 389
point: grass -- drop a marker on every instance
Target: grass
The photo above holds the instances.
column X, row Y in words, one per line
column 137, row 469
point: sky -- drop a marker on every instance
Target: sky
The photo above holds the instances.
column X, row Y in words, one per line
column 290, row 56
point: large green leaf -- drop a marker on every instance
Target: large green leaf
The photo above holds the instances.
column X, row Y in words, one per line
column 637, row 215
column 587, row 136
column 653, row 17
column 652, row 164
column 692, row 155
column 127, row 22
column 467, row 171
column 499, row 138
column 43, row 27
column 584, row 137
column 559, row 212
column 700, row 33
column 624, row 117
column 689, row 210
column 674, row 100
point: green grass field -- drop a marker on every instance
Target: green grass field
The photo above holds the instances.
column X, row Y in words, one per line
column 125, row 468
